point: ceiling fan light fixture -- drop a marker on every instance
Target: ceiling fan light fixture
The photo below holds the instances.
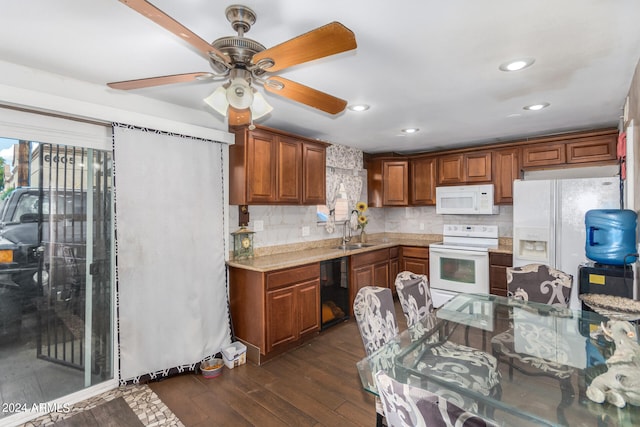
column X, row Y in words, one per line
column 260, row 107
column 239, row 94
column 218, row 100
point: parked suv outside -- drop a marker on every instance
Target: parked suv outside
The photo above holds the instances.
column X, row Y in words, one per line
column 21, row 251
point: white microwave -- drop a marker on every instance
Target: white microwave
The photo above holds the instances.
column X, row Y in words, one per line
column 466, row 200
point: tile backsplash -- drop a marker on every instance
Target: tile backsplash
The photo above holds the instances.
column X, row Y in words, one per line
column 285, row 224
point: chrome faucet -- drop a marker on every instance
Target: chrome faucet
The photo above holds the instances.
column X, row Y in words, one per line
column 346, row 228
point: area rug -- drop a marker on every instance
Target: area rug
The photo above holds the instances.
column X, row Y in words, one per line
column 133, row 405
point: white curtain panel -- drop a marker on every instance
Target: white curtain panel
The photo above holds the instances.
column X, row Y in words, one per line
column 171, row 277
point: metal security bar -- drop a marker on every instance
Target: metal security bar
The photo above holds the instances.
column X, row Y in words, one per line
column 74, row 209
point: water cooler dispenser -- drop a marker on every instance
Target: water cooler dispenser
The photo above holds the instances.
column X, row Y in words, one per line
column 611, row 245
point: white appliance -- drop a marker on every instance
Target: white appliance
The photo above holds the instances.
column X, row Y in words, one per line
column 548, row 221
column 466, row 200
column 460, row 263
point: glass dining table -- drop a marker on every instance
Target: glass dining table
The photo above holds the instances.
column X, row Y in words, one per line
column 546, row 357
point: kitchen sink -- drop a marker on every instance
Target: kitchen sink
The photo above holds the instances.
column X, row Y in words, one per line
column 352, row 246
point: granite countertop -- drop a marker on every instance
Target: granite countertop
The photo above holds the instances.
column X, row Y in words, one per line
column 286, row 256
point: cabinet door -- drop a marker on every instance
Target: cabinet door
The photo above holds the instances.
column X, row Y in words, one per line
column 361, row 277
column 289, row 170
column 539, row 155
column 451, row 169
column 261, row 168
column 308, row 306
column 498, row 263
column 381, row 274
column 314, row 174
column 282, row 320
column 423, row 182
column 395, row 183
column 593, row 149
column 477, row 167
column 505, row 170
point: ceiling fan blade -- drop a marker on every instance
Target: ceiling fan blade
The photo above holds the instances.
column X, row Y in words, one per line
column 305, row 95
column 157, row 81
column 239, row 117
column 323, row 41
column 159, row 17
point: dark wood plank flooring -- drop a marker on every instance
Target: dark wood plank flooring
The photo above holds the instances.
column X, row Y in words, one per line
column 316, row 384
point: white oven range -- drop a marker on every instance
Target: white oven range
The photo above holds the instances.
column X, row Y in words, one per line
column 460, row 263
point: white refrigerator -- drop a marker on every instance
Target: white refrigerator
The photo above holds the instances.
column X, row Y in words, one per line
column 548, row 221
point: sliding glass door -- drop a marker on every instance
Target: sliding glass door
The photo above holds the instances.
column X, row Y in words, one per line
column 56, row 263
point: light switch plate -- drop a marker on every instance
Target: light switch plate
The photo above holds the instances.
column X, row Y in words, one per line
column 305, row 231
column 258, row 225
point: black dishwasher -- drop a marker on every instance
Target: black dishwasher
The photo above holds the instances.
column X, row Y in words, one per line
column 334, row 291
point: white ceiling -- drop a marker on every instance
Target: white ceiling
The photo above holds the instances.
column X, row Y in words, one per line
column 429, row 64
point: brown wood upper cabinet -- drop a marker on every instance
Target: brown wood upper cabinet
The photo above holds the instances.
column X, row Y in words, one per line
column 464, row 168
column 506, row 168
column 423, row 181
column 401, row 181
column 395, row 183
column 597, row 147
column 273, row 167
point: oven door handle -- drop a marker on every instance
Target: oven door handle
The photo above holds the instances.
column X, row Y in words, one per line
column 459, row 252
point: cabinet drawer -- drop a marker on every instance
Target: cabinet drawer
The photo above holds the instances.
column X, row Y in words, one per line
column 289, row 276
column 368, row 258
column 415, row 252
column 502, row 259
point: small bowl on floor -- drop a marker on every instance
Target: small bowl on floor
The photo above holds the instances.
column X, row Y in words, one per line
column 211, row 368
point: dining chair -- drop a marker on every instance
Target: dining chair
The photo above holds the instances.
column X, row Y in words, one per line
column 375, row 315
column 465, row 366
column 545, row 354
column 414, row 295
column 405, row 405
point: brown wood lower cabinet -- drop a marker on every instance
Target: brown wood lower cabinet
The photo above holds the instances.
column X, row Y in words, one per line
column 276, row 310
column 415, row 259
column 368, row 269
column 498, row 263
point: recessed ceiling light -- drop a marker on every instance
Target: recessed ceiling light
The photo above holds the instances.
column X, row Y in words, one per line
column 536, row 107
column 410, row 130
column 359, row 107
column 517, row 64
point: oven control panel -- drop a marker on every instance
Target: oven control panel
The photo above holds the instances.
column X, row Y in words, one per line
column 488, row 231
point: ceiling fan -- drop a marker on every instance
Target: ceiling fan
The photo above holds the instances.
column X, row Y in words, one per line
column 242, row 62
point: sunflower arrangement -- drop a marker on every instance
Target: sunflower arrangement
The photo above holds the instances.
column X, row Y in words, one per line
column 362, row 207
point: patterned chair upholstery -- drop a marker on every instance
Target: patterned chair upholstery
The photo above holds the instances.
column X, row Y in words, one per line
column 539, row 283
column 414, row 295
column 465, row 366
column 408, row 406
column 543, row 284
column 376, row 318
